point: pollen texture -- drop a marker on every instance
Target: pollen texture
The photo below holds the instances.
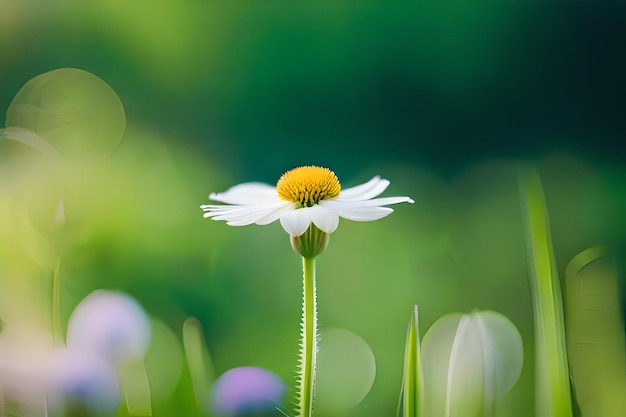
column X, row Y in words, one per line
column 308, row 185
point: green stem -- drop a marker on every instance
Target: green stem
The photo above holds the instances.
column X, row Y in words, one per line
column 308, row 346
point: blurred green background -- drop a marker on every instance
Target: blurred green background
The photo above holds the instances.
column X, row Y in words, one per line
column 443, row 100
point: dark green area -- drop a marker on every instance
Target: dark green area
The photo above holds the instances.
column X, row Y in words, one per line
column 269, row 86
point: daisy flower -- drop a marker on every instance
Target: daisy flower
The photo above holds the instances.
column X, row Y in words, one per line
column 308, row 201
column 303, row 196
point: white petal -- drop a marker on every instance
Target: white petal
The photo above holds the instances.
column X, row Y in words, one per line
column 281, row 208
column 378, row 202
column 250, row 193
column 370, row 189
column 296, row 222
column 360, row 213
column 325, row 220
column 245, row 215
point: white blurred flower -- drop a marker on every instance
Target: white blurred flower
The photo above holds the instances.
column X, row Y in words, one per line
column 302, row 196
column 469, row 361
column 25, row 355
column 111, row 324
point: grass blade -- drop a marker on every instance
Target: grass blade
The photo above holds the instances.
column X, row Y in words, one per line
column 199, row 360
column 136, row 388
column 411, row 394
column 553, row 396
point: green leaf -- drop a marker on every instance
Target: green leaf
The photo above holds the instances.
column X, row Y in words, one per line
column 552, row 395
column 469, row 361
column 77, row 113
column 595, row 333
column 411, row 394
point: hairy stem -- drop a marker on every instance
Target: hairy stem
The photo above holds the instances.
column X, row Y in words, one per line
column 308, row 343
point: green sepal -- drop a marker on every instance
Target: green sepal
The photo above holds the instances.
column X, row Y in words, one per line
column 311, row 243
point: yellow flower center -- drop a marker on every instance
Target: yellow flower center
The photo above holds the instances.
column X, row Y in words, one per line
column 308, row 185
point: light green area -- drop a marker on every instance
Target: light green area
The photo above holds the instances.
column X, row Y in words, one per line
column 346, row 371
column 73, row 110
column 595, row 333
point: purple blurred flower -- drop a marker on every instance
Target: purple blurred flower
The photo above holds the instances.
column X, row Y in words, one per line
column 110, row 324
column 246, row 389
column 81, row 377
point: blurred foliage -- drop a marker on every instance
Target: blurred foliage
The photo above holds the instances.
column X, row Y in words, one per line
column 434, row 85
column 443, row 100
